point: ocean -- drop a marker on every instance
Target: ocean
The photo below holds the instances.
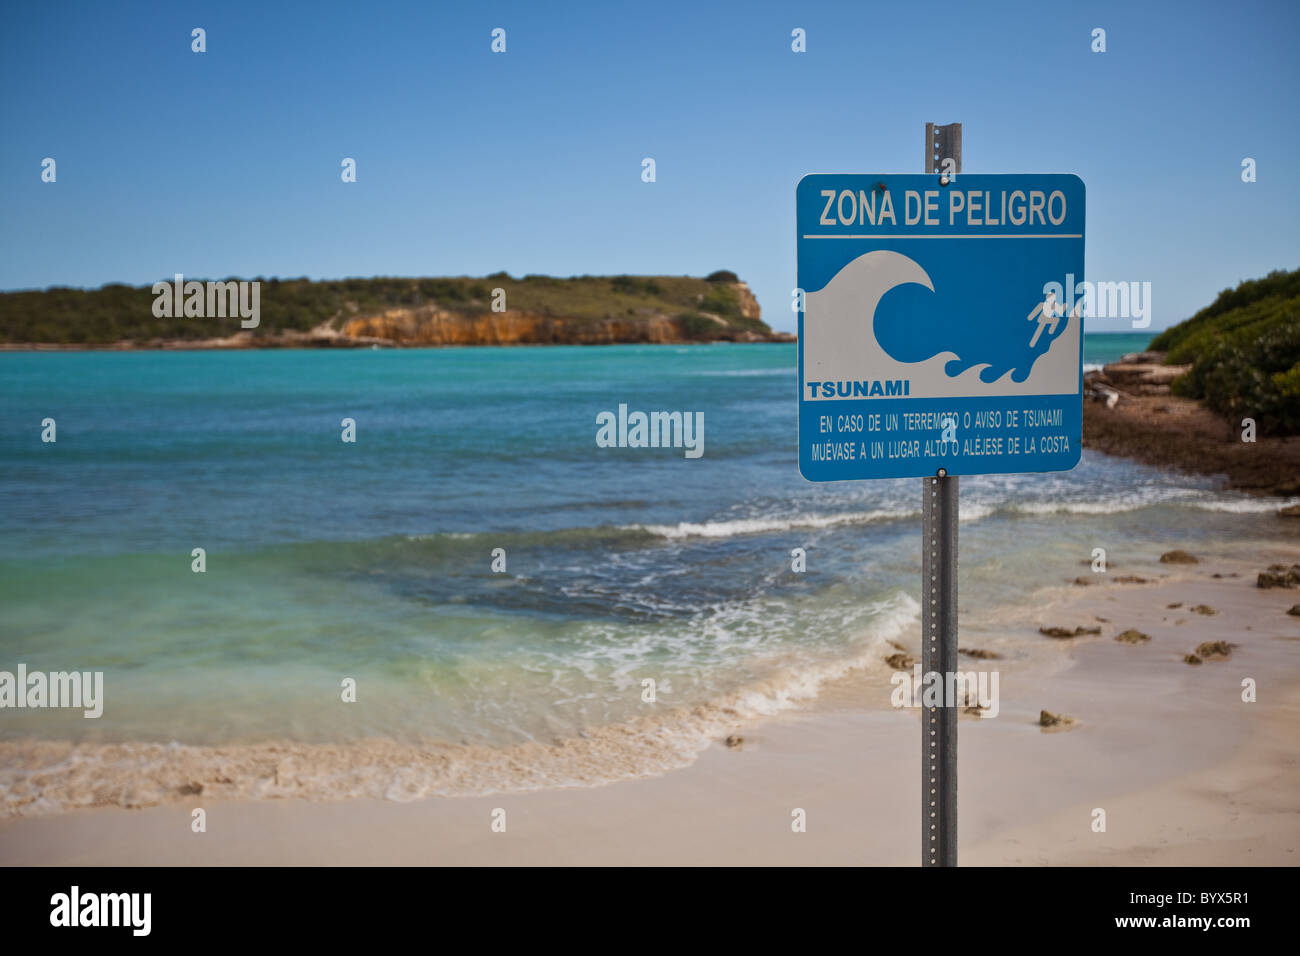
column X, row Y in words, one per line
column 1102, row 348
column 372, row 561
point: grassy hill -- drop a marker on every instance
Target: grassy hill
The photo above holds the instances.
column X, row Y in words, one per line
column 1244, row 350
column 719, row 306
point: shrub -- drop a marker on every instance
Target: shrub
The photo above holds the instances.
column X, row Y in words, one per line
column 721, row 300
column 693, row 325
column 1244, row 352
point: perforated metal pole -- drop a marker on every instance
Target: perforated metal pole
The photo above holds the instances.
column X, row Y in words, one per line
column 939, row 609
column 942, row 142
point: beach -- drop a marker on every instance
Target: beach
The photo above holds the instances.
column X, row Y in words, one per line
column 1187, row 773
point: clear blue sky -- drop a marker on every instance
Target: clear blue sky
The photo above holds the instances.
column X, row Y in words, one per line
column 227, row 162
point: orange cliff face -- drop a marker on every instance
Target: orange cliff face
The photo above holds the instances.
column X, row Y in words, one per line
column 749, row 307
column 430, row 325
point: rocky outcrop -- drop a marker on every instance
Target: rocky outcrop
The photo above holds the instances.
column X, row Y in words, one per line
column 1132, row 636
column 1279, row 576
column 434, row 326
column 1143, row 373
column 1129, row 410
column 749, row 308
column 1049, row 720
column 1213, row 651
column 1068, row 631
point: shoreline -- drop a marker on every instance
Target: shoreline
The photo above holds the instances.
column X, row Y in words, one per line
column 309, row 343
column 1186, row 771
column 1129, row 411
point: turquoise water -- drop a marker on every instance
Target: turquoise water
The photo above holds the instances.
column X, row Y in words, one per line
column 328, row 560
column 1101, row 348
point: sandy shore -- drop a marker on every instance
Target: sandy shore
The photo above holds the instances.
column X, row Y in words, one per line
column 1186, row 772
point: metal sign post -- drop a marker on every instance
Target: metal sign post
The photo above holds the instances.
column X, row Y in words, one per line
column 939, row 608
column 934, row 341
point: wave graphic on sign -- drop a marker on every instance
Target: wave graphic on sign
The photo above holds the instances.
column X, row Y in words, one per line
column 840, row 340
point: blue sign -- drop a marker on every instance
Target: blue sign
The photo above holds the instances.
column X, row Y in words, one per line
column 933, row 332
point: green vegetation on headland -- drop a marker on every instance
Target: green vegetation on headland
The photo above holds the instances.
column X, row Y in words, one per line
column 457, row 310
column 1244, row 350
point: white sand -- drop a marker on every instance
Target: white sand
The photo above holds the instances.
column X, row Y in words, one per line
column 1186, row 771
